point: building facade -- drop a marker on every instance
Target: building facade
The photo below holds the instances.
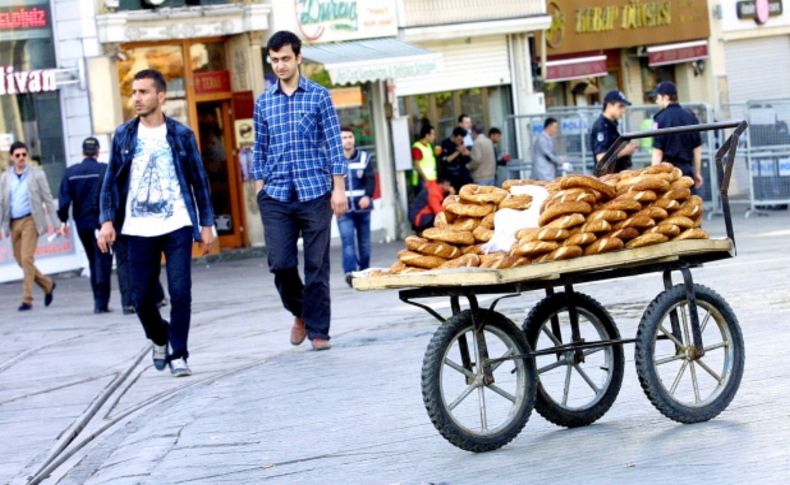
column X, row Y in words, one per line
column 594, row 46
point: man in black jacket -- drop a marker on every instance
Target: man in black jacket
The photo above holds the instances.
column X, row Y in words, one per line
column 80, row 189
column 354, row 225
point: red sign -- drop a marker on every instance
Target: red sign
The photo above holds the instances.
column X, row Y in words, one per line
column 23, row 18
column 212, row 82
column 567, row 69
column 675, row 56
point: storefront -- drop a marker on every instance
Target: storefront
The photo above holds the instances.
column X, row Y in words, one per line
column 31, row 111
column 756, row 49
column 594, row 46
column 353, row 50
column 205, row 55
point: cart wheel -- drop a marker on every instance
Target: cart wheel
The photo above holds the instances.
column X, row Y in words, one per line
column 574, row 390
column 470, row 413
column 681, row 386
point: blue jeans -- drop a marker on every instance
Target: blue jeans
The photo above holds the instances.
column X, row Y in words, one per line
column 121, row 250
column 145, row 259
column 485, row 182
column 356, row 250
column 283, row 222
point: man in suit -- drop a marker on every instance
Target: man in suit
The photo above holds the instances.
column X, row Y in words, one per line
column 26, row 212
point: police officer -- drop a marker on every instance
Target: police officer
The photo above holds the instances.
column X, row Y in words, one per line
column 80, row 189
column 354, row 225
column 604, row 131
column 683, row 151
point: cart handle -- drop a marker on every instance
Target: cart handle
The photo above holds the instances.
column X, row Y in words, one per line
column 723, row 169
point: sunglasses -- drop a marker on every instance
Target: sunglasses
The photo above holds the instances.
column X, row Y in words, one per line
column 20, row 155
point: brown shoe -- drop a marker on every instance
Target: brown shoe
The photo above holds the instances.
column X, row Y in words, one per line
column 321, row 344
column 298, row 332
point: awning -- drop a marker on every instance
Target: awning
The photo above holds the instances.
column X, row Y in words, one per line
column 372, row 60
column 662, row 55
column 576, row 68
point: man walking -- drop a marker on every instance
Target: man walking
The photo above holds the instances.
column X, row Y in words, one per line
column 483, row 164
column 26, row 211
column 604, row 131
column 545, row 161
column 683, row 151
column 80, row 189
column 299, row 172
column 156, row 193
column 354, row 226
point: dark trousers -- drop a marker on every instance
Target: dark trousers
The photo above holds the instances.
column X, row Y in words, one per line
column 145, row 256
column 121, row 250
column 354, row 230
column 283, row 223
column 100, row 265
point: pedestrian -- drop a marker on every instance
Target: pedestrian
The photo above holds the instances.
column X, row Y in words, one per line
column 423, row 157
column 495, row 134
column 156, row 194
column 545, row 161
column 483, row 164
column 26, row 212
column 454, row 158
column 465, row 122
column 299, row 172
column 79, row 190
column 354, row 225
column 428, row 203
column 683, row 151
column 604, row 131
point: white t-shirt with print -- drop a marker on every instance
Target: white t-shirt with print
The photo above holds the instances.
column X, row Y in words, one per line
column 155, row 204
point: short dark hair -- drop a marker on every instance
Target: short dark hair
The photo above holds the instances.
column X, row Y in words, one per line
column 463, row 115
column 549, row 121
column 673, row 98
column 458, row 131
column 346, row 128
column 282, row 38
column 425, row 130
column 494, row 131
column 478, row 128
column 16, row 146
column 157, row 77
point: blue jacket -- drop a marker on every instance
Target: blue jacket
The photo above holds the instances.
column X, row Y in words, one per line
column 189, row 169
column 80, row 188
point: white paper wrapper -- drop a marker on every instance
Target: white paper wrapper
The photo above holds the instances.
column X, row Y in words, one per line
column 507, row 222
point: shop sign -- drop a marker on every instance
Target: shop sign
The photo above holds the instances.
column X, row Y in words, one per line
column 340, row 20
column 23, row 82
column 583, row 26
column 23, row 18
column 759, row 10
column 211, row 82
column 346, row 97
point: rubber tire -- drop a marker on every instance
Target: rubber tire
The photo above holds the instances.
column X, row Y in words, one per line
column 648, row 378
column 544, row 405
column 432, row 395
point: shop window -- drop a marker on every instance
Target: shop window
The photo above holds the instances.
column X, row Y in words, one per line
column 651, row 76
column 208, row 57
column 167, row 59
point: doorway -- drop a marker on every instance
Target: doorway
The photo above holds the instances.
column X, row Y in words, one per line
column 214, row 139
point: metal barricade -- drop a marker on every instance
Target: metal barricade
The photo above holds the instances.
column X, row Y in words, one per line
column 768, row 154
column 521, row 131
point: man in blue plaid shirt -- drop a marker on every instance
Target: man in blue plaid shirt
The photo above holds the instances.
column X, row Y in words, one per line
column 299, row 171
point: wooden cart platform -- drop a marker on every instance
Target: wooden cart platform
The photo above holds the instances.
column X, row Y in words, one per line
column 693, row 251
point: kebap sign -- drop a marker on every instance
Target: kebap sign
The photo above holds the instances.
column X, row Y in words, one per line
column 586, row 25
column 341, row 20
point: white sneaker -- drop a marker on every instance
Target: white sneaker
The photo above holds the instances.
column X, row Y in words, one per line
column 179, row 368
column 159, row 355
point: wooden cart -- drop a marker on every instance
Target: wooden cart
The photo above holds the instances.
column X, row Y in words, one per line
column 482, row 374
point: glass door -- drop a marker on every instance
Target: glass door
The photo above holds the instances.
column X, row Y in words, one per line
column 215, row 147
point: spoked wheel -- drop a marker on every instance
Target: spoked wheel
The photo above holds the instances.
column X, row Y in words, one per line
column 681, row 385
column 575, row 388
column 472, row 411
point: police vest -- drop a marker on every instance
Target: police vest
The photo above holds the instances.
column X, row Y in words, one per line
column 428, row 162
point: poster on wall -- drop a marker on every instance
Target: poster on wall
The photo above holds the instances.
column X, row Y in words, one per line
column 54, row 254
column 339, row 20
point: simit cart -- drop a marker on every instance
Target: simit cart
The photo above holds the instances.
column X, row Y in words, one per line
column 482, row 374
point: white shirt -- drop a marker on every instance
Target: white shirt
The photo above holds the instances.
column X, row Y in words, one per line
column 155, row 205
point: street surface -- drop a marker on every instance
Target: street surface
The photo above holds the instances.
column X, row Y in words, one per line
column 257, row 410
